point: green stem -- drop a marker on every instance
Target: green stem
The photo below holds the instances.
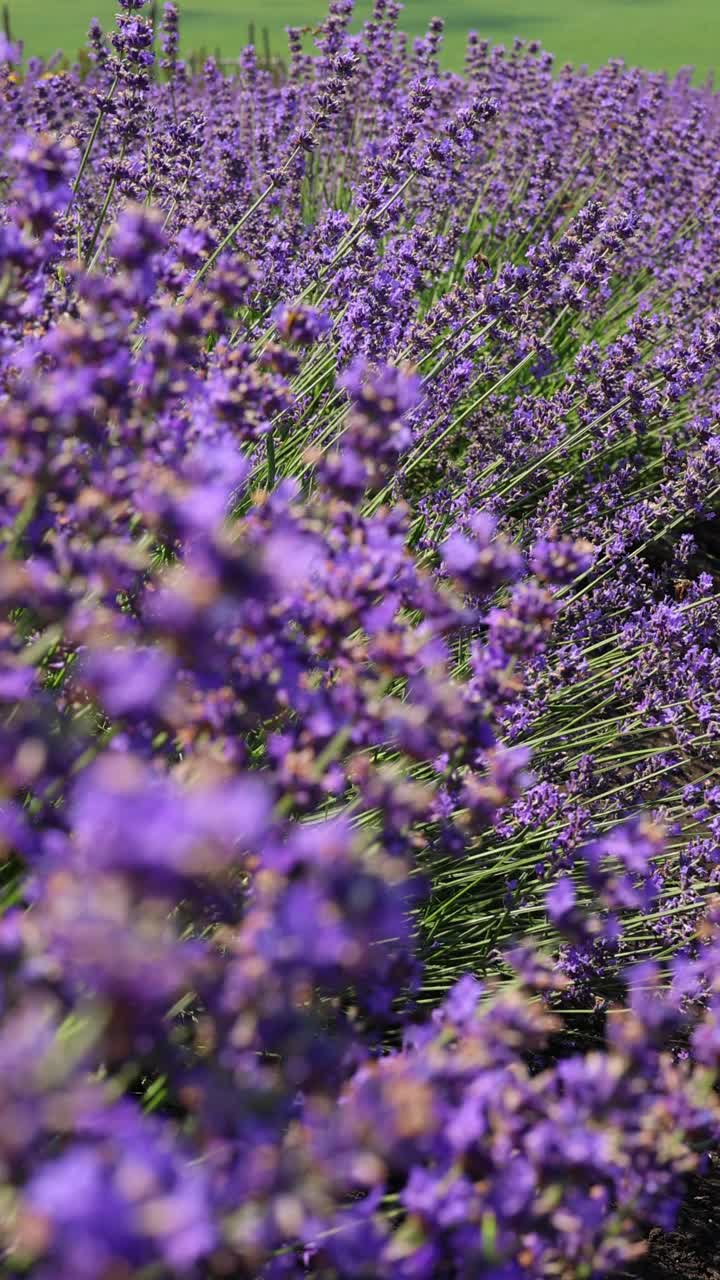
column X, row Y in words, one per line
column 228, row 239
column 271, row 464
column 91, row 140
column 103, row 211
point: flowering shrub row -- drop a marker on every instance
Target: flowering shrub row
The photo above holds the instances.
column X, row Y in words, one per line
column 359, row 668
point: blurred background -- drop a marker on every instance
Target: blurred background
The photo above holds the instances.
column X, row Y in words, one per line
column 658, row 34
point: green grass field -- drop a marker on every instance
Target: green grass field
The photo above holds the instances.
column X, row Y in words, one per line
column 659, row 34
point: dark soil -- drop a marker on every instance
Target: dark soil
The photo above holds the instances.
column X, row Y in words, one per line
column 692, row 1251
column 677, row 1256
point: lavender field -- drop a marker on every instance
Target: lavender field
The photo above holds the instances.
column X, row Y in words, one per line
column 661, row 35
column 359, row 659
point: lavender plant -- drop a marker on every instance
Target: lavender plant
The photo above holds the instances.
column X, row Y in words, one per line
column 359, row 659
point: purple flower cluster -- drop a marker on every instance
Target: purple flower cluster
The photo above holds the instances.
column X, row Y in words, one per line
column 359, row 661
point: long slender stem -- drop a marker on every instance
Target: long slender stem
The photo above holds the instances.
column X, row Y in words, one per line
column 91, row 140
column 228, row 239
column 271, row 464
column 106, row 205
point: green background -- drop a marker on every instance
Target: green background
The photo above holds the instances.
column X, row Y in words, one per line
column 660, row 34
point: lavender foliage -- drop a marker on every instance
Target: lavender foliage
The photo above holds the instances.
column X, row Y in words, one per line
column 359, row 662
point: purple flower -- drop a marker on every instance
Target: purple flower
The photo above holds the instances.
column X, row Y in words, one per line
column 286, row 616
column 460, row 1005
column 561, row 560
column 40, row 190
column 383, row 393
column 566, row 915
column 126, row 1200
column 130, row 681
column 301, row 324
column 633, row 844
column 11, row 52
column 480, row 559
